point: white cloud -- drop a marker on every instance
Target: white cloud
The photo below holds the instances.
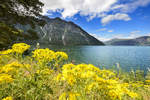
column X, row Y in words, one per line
column 135, row 32
column 85, row 7
column 105, row 20
column 94, row 8
column 132, row 6
column 102, row 29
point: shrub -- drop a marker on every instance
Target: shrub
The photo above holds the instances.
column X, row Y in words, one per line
column 45, row 75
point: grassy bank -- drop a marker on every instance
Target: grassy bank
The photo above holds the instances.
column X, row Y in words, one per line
column 47, row 75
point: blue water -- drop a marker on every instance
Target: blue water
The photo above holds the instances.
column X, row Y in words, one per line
column 129, row 57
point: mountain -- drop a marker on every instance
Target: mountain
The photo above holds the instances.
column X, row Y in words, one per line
column 140, row 41
column 59, row 32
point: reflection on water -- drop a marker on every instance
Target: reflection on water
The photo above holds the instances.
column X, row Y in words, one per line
column 129, row 57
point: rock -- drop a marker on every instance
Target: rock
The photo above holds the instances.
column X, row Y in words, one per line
column 59, row 32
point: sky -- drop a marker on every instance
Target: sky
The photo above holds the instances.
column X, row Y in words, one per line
column 104, row 19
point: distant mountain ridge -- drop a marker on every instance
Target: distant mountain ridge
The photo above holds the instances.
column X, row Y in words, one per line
column 140, row 41
column 60, row 32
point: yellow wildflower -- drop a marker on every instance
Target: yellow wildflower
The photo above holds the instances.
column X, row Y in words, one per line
column 5, row 52
column 7, row 69
column 38, row 71
column 71, row 80
column 133, row 95
column 68, row 66
column 5, row 78
column 20, row 47
column 61, row 56
column 92, row 86
column 146, row 86
column 43, row 55
column 8, row 98
column 63, row 96
column 147, row 81
column 73, row 96
column 69, row 96
column 14, row 64
column 115, row 94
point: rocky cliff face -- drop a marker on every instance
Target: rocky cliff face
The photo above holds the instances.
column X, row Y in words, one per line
column 59, row 32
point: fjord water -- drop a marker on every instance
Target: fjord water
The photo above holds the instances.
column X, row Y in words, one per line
column 129, row 57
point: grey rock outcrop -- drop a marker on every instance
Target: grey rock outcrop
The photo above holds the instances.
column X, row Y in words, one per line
column 59, row 32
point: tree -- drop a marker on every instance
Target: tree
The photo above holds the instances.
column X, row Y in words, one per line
column 12, row 11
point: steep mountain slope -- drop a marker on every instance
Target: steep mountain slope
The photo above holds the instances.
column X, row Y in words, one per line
column 59, row 32
column 143, row 41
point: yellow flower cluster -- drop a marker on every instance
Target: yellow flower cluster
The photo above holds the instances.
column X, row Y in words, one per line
column 12, row 67
column 92, row 79
column 48, row 77
column 15, row 64
column 8, row 70
column 9, row 51
column 60, row 56
column 20, row 47
column 43, row 55
column 147, row 82
column 46, row 56
column 5, row 78
column 5, row 55
column 8, row 98
column 69, row 96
